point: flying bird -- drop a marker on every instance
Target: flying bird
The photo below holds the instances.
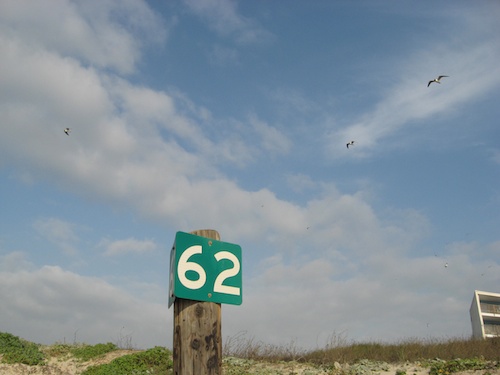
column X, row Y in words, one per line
column 67, row 130
column 351, row 143
column 436, row 80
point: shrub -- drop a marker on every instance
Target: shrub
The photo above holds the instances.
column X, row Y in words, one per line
column 57, row 350
column 157, row 360
column 87, row 352
column 16, row 350
column 456, row 365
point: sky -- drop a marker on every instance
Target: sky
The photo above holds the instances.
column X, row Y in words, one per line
column 234, row 116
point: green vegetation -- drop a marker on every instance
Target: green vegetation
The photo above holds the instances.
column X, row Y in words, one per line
column 152, row 361
column 407, row 351
column 58, row 350
column 16, row 350
column 440, row 367
column 88, row 352
column 370, row 358
column 341, row 350
column 83, row 352
column 243, row 356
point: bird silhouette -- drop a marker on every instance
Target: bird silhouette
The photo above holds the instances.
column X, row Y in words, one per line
column 351, row 143
column 67, row 130
column 437, row 80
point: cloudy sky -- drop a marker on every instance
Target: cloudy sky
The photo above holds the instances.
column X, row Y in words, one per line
column 234, row 116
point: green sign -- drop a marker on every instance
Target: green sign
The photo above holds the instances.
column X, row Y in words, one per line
column 203, row 269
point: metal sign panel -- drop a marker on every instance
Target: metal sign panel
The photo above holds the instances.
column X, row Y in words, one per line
column 203, row 269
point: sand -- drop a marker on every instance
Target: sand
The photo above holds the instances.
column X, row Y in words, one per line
column 71, row 366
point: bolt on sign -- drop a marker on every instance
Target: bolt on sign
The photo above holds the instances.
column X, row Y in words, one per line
column 203, row 269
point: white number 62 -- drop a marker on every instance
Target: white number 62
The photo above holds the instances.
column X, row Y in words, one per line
column 185, row 265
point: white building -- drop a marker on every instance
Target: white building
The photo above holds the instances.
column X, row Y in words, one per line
column 485, row 315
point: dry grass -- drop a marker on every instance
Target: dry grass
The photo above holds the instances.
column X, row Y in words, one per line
column 341, row 350
column 409, row 350
column 248, row 348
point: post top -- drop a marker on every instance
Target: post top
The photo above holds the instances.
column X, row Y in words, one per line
column 208, row 233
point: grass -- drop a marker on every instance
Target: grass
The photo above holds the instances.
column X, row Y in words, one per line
column 82, row 352
column 242, row 355
column 442, row 357
column 157, row 360
column 340, row 350
column 152, row 361
column 440, row 367
column 16, row 350
column 408, row 351
column 88, row 352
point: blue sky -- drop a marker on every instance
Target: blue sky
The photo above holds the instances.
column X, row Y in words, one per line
column 235, row 116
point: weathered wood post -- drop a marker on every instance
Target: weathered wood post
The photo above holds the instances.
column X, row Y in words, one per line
column 197, row 332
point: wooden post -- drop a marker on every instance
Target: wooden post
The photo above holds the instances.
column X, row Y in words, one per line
column 197, row 332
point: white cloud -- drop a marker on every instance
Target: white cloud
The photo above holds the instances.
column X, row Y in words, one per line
column 87, row 31
column 15, row 261
column 300, row 182
column 370, row 297
column 128, row 144
column 471, row 65
column 223, row 17
column 367, row 296
column 129, row 245
column 271, row 138
column 159, row 154
column 126, row 141
column 50, row 305
column 58, row 232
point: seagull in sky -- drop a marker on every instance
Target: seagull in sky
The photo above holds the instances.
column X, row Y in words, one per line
column 436, row 80
column 351, row 143
column 67, row 130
